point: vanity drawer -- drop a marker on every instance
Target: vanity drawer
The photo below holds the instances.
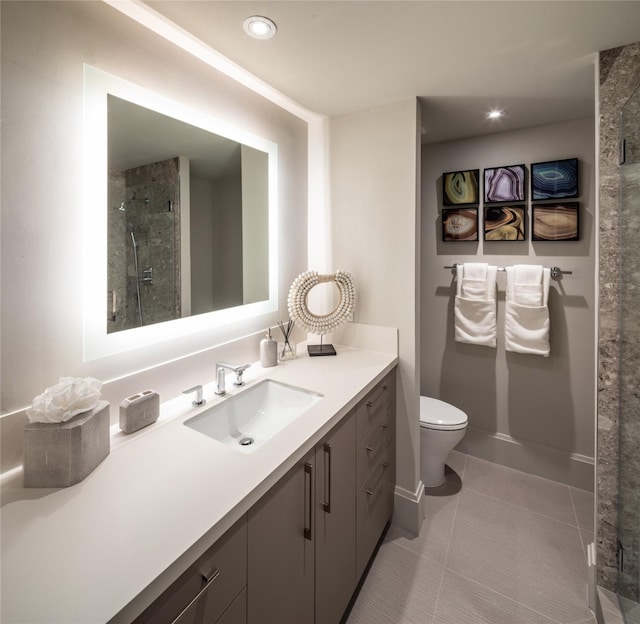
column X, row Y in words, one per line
column 206, row 590
column 200, row 611
column 237, row 612
column 371, row 408
column 374, row 507
column 370, row 450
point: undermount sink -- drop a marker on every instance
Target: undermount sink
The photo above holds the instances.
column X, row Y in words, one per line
column 248, row 419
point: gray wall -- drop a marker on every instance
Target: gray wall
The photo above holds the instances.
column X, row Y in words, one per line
column 530, row 412
column 375, row 226
column 619, row 77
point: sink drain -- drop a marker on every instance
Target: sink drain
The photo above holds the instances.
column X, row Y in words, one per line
column 246, row 441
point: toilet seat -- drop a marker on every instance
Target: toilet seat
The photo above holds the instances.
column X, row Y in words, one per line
column 441, row 416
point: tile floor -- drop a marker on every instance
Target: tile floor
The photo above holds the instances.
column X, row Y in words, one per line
column 612, row 607
column 498, row 546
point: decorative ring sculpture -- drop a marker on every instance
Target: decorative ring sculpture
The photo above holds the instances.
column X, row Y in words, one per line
column 321, row 324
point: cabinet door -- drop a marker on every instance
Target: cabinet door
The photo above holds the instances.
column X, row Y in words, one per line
column 206, row 589
column 237, row 612
column 375, row 506
column 335, row 522
column 281, row 550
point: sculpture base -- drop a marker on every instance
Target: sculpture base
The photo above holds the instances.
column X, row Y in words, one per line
column 321, row 349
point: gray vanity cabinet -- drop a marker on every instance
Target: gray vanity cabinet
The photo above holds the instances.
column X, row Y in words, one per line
column 281, row 562
column 302, row 566
column 212, row 590
column 335, row 533
column 298, row 554
column 375, row 467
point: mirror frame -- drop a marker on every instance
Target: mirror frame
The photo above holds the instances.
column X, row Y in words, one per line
column 97, row 343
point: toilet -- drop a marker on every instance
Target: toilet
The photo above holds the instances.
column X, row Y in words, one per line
column 442, row 426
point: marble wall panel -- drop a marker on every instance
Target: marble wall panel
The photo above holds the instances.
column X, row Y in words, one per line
column 619, row 77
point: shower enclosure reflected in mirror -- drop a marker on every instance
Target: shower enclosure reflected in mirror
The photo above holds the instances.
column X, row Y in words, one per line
column 181, row 202
column 189, row 238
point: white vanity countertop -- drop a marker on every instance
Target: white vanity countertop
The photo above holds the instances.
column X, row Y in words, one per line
column 107, row 546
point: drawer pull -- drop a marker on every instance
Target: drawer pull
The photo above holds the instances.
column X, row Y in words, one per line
column 209, row 577
column 380, row 394
column 212, row 575
column 373, row 449
column 326, row 506
column 308, row 530
column 371, row 491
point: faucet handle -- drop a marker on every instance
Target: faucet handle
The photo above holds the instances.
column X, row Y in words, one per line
column 238, row 371
column 198, row 400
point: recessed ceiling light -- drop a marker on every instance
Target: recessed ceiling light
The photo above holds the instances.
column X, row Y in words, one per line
column 259, row 27
column 495, row 114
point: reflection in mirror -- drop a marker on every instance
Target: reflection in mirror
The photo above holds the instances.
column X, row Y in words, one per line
column 187, row 219
column 180, row 218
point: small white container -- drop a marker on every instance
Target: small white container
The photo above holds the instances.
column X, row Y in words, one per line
column 268, row 351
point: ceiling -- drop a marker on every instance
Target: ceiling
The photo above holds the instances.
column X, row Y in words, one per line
column 532, row 59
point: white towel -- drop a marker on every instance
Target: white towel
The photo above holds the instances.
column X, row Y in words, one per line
column 475, row 304
column 526, row 313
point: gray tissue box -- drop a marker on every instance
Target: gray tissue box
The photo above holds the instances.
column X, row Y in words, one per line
column 61, row 454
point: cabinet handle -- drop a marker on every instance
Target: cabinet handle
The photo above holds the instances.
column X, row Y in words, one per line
column 373, row 449
column 327, row 482
column 308, row 530
column 212, row 575
column 372, row 491
column 209, row 577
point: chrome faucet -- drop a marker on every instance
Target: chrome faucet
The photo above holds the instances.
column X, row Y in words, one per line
column 198, row 400
column 220, row 375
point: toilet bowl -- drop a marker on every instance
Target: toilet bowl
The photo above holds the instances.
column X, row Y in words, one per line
column 442, row 426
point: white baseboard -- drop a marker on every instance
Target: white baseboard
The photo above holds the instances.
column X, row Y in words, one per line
column 409, row 508
column 544, row 461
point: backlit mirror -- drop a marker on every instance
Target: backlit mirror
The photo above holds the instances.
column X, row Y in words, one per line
column 181, row 219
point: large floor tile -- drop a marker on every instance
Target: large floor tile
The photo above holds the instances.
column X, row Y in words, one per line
column 631, row 611
column 457, row 461
column 401, row 588
column 583, row 504
column 528, row 557
column 462, row 601
column 543, row 496
column 610, row 607
column 433, row 540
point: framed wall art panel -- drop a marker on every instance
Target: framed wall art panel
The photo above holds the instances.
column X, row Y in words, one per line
column 554, row 179
column 555, row 222
column 505, row 223
column 461, row 188
column 504, row 184
column 460, row 224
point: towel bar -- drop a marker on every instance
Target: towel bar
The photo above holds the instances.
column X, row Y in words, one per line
column 556, row 272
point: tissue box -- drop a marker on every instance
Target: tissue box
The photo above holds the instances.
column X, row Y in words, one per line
column 61, row 454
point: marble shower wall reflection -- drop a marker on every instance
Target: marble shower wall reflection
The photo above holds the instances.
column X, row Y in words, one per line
column 619, row 77
column 144, row 246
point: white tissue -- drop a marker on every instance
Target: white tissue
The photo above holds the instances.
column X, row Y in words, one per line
column 68, row 398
